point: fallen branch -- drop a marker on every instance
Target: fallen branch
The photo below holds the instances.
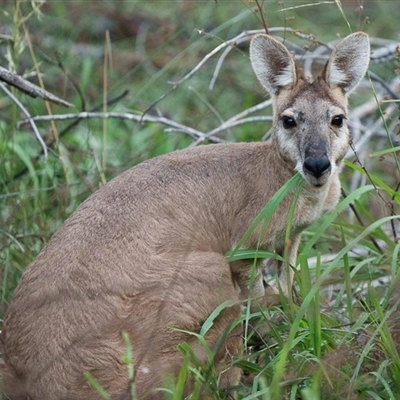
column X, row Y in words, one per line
column 29, row 88
column 173, row 125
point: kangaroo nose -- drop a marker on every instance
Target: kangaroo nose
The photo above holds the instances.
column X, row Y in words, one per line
column 317, row 166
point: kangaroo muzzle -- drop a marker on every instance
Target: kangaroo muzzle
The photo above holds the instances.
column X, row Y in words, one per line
column 317, row 163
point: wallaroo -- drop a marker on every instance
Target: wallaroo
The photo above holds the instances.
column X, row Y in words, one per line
column 145, row 256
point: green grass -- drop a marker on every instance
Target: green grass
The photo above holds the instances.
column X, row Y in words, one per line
column 340, row 336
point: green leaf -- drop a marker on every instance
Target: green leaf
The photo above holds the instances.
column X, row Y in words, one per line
column 386, row 151
column 330, row 218
column 377, row 181
column 267, row 212
column 209, row 322
column 249, row 254
column 96, row 385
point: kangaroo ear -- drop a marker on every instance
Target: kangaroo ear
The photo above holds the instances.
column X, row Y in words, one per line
column 272, row 63
column 348, row 62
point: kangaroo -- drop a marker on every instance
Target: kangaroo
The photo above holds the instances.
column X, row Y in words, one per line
column 146, row 254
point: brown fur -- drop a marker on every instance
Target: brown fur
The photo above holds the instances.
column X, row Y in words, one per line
column 146, row 253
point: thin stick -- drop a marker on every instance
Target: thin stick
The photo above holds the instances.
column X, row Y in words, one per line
column 29, row 119
column 174, row 126
column 263, row 19
column 130, row 116
column 29, row 88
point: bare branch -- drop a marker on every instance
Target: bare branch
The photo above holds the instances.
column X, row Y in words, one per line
column 260, row 7
column 383, row 83
column 28, row 116
column 195, row 134
column 239, row 119
column 29, row 88
column 232, row 124
column 13, row 239
column 218, row 67
column 173, row 125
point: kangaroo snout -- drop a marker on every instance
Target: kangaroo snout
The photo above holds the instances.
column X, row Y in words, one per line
column 318, row 167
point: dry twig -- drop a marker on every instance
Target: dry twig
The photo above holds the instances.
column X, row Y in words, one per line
column 29, row 88
column 28, row 116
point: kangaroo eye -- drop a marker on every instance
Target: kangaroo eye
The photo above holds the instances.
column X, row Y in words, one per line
column 288, row 122
column 338, row 120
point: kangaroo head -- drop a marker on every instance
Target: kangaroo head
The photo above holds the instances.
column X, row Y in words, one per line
column 310, row 124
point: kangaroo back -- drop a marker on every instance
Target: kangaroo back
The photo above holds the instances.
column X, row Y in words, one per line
column 145, row 257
